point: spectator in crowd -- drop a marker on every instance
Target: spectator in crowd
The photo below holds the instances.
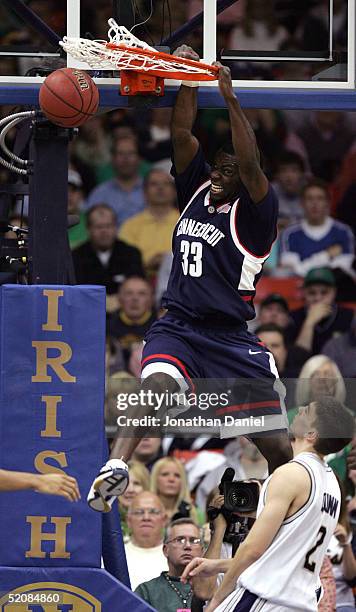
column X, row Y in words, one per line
column 139, row 481
column 162, row 278
column 169, row 482
column 90, row 152
column 288, row 184
column 320, row 318
column 124, row 193
column 151, row 230
column 346, row 207
column 318, row 240
column 103, row 259
column 327, row 136
column 135, row 316
column 166, row 593
column 77, row 233
column 328, row 600
column 146, row 519
column 289, row 359
column 148, row 451
column 241, row 455
column 274, row 309
column 318, row 377
column 342, row 350
column 343, row 561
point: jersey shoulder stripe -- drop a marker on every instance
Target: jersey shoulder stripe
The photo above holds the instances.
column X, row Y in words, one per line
column 236, row 239
column 311, row 497
column 195, row 194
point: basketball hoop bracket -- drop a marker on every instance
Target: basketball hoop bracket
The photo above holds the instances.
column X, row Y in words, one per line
column 140, row 83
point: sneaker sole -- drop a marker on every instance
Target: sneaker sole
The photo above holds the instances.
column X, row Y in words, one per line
column 108, row 488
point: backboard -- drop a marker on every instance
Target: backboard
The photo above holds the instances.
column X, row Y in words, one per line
column 282, row 54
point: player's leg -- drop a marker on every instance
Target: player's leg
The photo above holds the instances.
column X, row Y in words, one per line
column 257, row 396
column 167, row 367
column 276, row 449
column 113, row 477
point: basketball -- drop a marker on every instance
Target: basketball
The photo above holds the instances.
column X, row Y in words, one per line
column 69, row 97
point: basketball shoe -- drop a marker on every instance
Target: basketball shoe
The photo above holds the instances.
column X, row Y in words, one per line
column 111, row 482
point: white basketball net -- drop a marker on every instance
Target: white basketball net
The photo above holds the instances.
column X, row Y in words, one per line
column 98, row 56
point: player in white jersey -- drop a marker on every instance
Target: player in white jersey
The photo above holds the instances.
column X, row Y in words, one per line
column 277, row 566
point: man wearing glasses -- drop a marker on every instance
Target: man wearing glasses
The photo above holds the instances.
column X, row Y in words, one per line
column 146, row 520
column 166, row 593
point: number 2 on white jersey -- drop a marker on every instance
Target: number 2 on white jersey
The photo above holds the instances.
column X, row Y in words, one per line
column 195, row 249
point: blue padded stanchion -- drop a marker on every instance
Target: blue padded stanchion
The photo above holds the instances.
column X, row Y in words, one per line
column 52, row 360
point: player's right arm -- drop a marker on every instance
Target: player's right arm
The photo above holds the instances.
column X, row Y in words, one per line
column 283, row 489
column 185, row 145
column 53, row 484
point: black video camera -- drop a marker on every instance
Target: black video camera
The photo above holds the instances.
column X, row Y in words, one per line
column 239, row 496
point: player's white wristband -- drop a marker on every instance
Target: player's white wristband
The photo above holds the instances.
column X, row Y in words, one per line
column 190, row 83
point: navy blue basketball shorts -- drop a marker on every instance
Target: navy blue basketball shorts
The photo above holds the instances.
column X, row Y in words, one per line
column 236, row 361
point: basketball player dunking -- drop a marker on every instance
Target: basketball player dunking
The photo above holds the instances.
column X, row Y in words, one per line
column 277, row 567
column 224, row 235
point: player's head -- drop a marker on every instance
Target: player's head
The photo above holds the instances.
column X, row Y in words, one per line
column 225, row 177
column 325, row 424
column 316, row 203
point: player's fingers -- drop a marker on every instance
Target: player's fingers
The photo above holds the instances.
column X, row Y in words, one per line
column 186, row 574
column 73, row 484
column 69, row 490
column 65, row 494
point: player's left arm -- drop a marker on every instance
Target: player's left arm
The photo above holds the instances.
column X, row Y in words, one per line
column 244, row 141
column 282, row 490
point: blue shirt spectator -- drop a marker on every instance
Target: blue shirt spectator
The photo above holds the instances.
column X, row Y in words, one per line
column 318, row 240
column 124, row 193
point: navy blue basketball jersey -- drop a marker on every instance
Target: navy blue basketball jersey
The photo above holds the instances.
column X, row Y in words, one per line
column 218, row 249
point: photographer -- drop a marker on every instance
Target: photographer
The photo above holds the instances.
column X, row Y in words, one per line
column 227, row 528
column 204, row 588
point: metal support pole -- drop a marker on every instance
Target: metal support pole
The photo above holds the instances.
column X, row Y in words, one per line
column 49, row 253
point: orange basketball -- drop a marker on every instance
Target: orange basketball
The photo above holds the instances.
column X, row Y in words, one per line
column 69, row 97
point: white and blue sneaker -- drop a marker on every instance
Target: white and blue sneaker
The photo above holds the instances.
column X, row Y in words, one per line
column 111, row 482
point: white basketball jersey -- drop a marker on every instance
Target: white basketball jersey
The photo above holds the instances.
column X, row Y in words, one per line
column 288, row 572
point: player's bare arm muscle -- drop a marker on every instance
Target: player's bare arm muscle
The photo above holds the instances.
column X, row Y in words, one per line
column 287, row 489
column 185, row 145
column 244, row 141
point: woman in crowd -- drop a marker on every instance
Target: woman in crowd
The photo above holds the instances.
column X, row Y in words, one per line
column 169, row 482
column 319, row 376
column 139, row 481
